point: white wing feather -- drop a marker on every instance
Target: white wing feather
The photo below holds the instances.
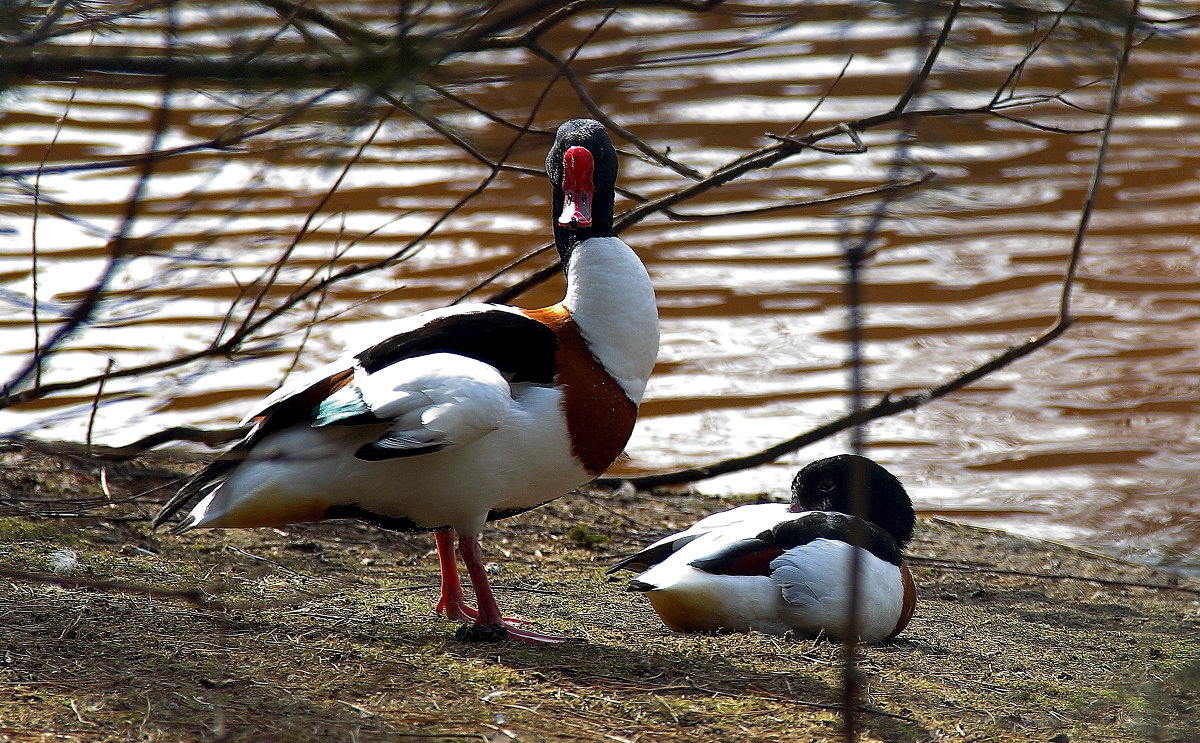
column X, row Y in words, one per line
column 803, row 573
column 440, row 398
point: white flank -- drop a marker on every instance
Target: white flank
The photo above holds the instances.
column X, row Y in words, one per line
column 299, row 471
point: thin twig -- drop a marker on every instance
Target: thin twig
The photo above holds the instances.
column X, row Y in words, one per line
column 460, row 141
column 1018, row 69
column 942, row 564
column 50, row 16
column 856, row 252
column 545, row 272
column 918, row 81
column 90, row 23
column 346, row 30
column 229, row 137
column 96, row 406
column 191, row 596
column 1089, row 204
column 208, row 437
column 34, row 267
column 837, row 198
column 763, row 158
column 828, row 91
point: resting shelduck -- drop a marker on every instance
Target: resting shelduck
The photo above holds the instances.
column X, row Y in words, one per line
column 775, row 567
column 465, row 414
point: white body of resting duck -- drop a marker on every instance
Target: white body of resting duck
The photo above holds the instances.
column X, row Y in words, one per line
column 461, row 415
column 775, row 567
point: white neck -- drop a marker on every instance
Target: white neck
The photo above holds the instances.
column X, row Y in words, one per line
column 611, row 300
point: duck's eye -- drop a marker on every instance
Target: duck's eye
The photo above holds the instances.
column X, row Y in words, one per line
column 826, row 486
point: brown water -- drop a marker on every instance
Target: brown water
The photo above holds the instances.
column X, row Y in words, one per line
column 1093, row 439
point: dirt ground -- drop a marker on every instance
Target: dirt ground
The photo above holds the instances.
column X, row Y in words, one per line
column 326, row 633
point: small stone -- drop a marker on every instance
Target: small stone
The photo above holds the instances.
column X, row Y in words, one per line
column 63, row 561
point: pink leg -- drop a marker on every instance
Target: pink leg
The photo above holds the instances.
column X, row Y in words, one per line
column 489, row 611
column 451, row 603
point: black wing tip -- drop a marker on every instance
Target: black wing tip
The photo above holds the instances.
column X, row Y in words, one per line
column 172, row 507
column 175, row 503
column 197, row 486
column 747, row 556
column 164, row 514
column 652, row 555
column 640, row 586
column 628, row 563
column 378, row 451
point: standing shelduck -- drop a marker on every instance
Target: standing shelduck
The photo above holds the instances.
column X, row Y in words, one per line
column 465, row 414
column 775, row 567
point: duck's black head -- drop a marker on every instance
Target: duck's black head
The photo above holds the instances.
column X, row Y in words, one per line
column 582, row 167
column 827, row 485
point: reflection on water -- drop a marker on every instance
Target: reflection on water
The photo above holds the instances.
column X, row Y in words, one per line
column 1093, row 439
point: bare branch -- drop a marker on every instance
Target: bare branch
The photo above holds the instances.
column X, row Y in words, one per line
column 44, row 31
column 457, row 139
column 856, row 251
column 559, row 13
column 1089, row 204
column 34, row 268
column 919, row 79
column 888, row 406
column 96, row 406
column 1018, row 69
column 346, row 30
column 765, row 157
column 211, row 438
column 295, row 67
column 837, row 198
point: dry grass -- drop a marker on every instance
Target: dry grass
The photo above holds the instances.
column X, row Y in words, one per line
column 325, row 632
